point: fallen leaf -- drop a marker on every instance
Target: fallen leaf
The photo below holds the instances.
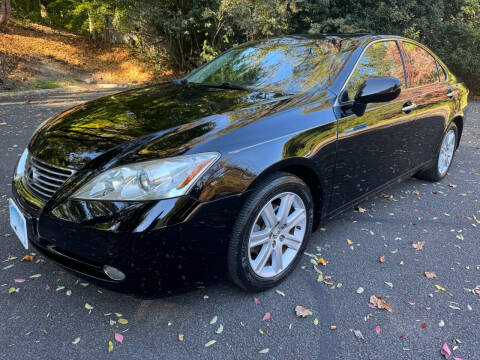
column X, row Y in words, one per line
column 119, row 338
column 61, row 288
column 441, row 288
column 264, row 351
column 382, row 259
column 8, row 267
column 28, row 258
column 47, row 287
column 214, row 320
column 358, row 334
column 424, row 325
column 322, row 261
column 88, row 306
column 416, row 192
column 68, row 292
column 418, row 245
column 441, row 323
column 220, row 329
column 452, row 185
column 76, row 341
column 389, row 284
column 377, row 329
column 267, row 316
column 315, row 322
column 12, row 290
column 279, row 292
column 430, row 275
column 385, row 196
column 210, row 343
column 261, row 331
column 301, row 311
column 110, row 346
column 256, row 301
column 360, row 290
column 445, row 351
column 123, row 321
column 380, row 303
column 349, row 242
column 19, row 280
column 180, row 337
column 360, row 209
column 333, row 327
column 35, row 276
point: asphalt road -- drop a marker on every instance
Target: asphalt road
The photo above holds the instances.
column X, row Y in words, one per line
column 36, row 323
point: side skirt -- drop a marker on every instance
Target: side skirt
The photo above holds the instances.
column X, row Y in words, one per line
column 376, row 191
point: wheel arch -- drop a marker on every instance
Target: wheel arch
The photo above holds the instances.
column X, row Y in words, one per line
column 305, row 170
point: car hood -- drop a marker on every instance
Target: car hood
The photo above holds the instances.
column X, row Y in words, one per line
column 163, row 119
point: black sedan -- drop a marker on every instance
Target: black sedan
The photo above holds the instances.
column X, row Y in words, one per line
column 236, row 163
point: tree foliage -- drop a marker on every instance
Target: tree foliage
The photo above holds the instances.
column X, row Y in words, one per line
column 185, row 33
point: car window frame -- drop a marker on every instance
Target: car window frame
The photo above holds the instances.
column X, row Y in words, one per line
column 338, row 101
column 438, row 65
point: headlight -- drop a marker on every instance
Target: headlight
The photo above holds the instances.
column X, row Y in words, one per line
column 20, row 170
column 149, row 180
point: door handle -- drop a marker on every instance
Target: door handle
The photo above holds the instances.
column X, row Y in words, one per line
column 450, row 93
column 408, row 107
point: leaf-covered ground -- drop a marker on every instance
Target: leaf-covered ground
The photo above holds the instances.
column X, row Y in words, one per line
column 38, row 56
column 414, row 251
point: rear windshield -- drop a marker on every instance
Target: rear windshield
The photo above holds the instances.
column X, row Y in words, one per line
column 281, row 65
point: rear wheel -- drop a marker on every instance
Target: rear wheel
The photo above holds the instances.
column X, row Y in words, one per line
column 444, row 156
column 270, row 233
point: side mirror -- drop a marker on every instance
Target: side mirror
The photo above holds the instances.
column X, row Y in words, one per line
column 376, row 90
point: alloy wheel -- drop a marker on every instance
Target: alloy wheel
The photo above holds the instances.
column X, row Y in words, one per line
column 277, row 234
column 446, row 152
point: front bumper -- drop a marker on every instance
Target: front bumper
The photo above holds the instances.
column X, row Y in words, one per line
column 158, row 244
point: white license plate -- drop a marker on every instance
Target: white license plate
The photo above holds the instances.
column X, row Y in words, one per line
column 18, row 223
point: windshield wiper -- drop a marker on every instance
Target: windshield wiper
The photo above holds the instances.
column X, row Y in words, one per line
column 225, row 85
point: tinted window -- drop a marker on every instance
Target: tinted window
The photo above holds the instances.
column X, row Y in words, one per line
column 283, row 65
column 380, row 59
column 420, row 65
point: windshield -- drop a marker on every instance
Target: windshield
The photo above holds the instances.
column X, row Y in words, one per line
column 287, row 65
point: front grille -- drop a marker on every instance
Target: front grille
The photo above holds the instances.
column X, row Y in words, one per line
column 44, row 179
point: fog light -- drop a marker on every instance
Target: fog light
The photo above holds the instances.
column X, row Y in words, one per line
column 113, row 273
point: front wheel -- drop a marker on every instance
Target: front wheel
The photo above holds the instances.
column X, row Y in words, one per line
column 444, row 156
column 270, row 233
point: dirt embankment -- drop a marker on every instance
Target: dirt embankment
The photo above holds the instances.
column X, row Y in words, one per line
column 36, row 56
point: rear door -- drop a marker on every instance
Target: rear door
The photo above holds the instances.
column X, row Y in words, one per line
column 431, row 97
column 374, row 148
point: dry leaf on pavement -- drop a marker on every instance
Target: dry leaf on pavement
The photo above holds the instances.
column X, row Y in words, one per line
column 418, row 245
column 301, row 311
column 430, row 275
column 380, row 303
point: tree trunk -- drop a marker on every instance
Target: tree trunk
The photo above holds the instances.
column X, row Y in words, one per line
column 91, row 26
column 5, row 12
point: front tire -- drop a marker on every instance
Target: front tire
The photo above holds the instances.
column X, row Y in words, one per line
column 270, row 233
column 444, row 156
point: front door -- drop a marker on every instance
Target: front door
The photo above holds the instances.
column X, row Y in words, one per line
column 374, row 148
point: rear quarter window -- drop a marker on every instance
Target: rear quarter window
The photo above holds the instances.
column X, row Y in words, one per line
column 420, row 66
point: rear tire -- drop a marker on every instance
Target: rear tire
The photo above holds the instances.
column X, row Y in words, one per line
column 443, row 157
column 278, row 216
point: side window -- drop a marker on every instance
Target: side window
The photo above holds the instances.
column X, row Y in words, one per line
column 380, row 59
column 420, row 66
